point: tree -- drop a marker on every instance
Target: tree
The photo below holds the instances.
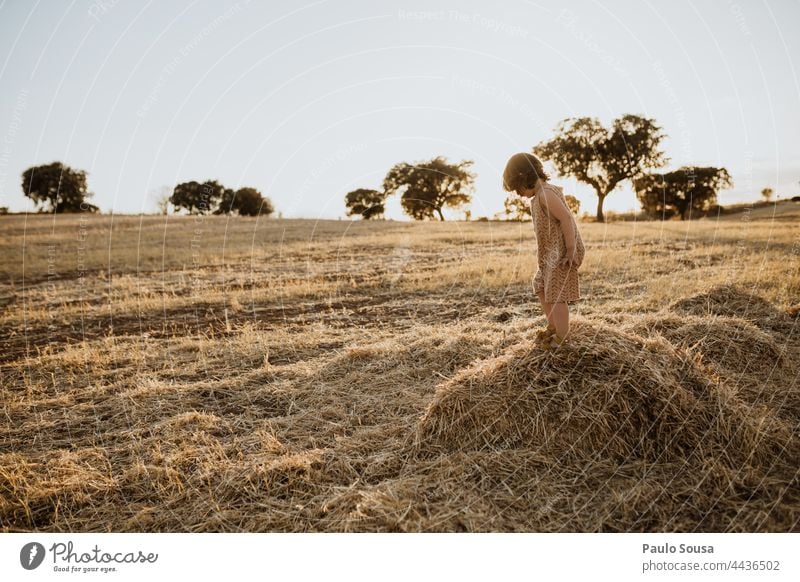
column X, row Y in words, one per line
column 245, row 201
column 250, row 202
column 197, row 198
column 57, row 188
column 226, row 202
column 603, row 158
column 655, row 197
column 518, row 209
column 430, row 186
column 365, row 202
column 686, row 190
column 573, row 204
column 767, row 193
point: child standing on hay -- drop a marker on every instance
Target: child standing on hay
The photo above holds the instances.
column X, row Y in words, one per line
column 560, row 246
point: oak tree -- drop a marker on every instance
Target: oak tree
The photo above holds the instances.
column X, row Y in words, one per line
column 428, row 187
column 601, row 157
column 197, row 198
column 687, row 190
column 366, row 203
column 56, row 187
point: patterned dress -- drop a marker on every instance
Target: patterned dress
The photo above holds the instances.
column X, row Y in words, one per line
column 560, row 283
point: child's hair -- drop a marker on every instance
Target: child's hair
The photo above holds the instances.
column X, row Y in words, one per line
column 523, row 170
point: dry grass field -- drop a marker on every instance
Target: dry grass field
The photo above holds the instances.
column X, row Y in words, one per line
column 239, row 374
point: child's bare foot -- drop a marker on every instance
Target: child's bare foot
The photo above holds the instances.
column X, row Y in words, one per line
column 543, row 335
column 554, row 341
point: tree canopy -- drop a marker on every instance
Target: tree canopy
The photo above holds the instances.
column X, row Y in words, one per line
column 687, row 190
column 428, row 187
column 573, row 203
column 197, row 198
column 518, row 209
column 601, row 157
column 245, row 202
column 58, row 188
column 365, row 202
column 213, row 197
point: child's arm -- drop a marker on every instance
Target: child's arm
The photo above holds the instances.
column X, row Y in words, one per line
column 555, row 206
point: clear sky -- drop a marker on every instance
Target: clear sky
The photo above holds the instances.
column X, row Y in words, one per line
column 309, row 100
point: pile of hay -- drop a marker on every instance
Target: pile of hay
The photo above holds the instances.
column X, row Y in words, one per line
column 683, row 420
column 604, row 394
column 732, row 301
column 755, row 363
column 670, row 421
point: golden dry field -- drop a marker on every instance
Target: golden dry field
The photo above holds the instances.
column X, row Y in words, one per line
column 197, row 374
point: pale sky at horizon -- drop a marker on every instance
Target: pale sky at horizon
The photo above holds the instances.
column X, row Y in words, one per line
column 309, row 100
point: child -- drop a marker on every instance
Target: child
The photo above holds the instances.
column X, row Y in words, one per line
column 560, row 247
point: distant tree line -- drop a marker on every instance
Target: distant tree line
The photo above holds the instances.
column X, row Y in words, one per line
column 213, row 197
column 582, row 148
column 56, row 187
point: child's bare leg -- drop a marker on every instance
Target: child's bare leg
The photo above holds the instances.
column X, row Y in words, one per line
column 561, row 318
column 548, row 309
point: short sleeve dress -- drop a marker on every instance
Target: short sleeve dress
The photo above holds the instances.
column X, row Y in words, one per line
column 560, row 283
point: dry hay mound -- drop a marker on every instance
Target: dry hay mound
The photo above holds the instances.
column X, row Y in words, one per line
column 605, row 394
column 732, row 344
column 733, row 301
column 759, row 363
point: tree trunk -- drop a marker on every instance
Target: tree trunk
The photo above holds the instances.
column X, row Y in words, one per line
column 600, row 198
column 439, row 210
